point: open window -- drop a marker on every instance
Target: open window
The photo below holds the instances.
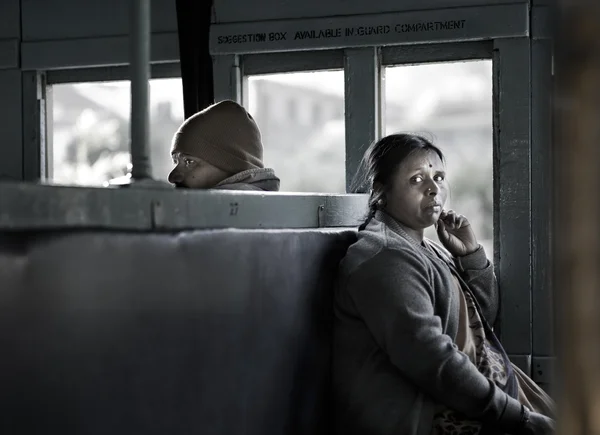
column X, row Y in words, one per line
column 301, row 118
column 90, row 130
column 451, row 104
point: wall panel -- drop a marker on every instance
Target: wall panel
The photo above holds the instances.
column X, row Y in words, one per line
column 64, row 19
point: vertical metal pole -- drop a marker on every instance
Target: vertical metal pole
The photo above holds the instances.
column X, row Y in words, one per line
column 140, row 76
column 577, row 227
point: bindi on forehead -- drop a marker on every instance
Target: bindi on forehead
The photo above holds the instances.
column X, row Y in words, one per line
column 425, row 162
column 422, row 160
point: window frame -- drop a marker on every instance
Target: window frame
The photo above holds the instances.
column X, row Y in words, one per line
column 437, row 53
column 109, row 74
column 295, row 61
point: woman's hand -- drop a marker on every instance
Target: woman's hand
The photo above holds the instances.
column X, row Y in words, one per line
column 539, row 424
column 456, row 234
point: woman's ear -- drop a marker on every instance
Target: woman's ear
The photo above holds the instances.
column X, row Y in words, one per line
column 382, row 201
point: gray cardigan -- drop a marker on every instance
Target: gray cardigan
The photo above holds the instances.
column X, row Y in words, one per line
column 396, row 320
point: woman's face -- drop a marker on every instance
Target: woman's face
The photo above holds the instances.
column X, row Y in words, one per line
column 418, row 190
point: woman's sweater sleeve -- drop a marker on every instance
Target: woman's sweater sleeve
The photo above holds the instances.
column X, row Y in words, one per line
column 393, row 295
column 478, row 272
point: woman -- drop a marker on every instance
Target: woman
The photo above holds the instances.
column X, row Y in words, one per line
column 414, row 352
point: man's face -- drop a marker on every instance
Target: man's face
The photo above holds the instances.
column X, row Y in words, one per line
column 195, row 173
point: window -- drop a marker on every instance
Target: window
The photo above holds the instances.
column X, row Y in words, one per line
column 90, row 141
column 293, row 110
column 451, row 103
column 316, row 113
column 305, row 145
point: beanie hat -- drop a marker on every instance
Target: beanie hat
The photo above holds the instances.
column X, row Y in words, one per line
column 225, row 135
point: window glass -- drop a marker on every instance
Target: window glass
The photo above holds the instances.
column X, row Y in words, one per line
column 301, row 118
column 451, row 103
column 90, row 132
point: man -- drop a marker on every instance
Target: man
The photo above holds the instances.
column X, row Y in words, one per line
column 220, row 148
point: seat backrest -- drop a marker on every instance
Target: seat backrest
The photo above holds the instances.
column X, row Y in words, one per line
column 203, row 332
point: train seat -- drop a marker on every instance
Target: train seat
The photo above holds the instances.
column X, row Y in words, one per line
column 207, row 332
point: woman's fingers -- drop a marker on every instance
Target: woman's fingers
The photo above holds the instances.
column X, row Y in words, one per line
column 449, row 219
column 452, row 217
column 453, row 220
column 441, row 230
